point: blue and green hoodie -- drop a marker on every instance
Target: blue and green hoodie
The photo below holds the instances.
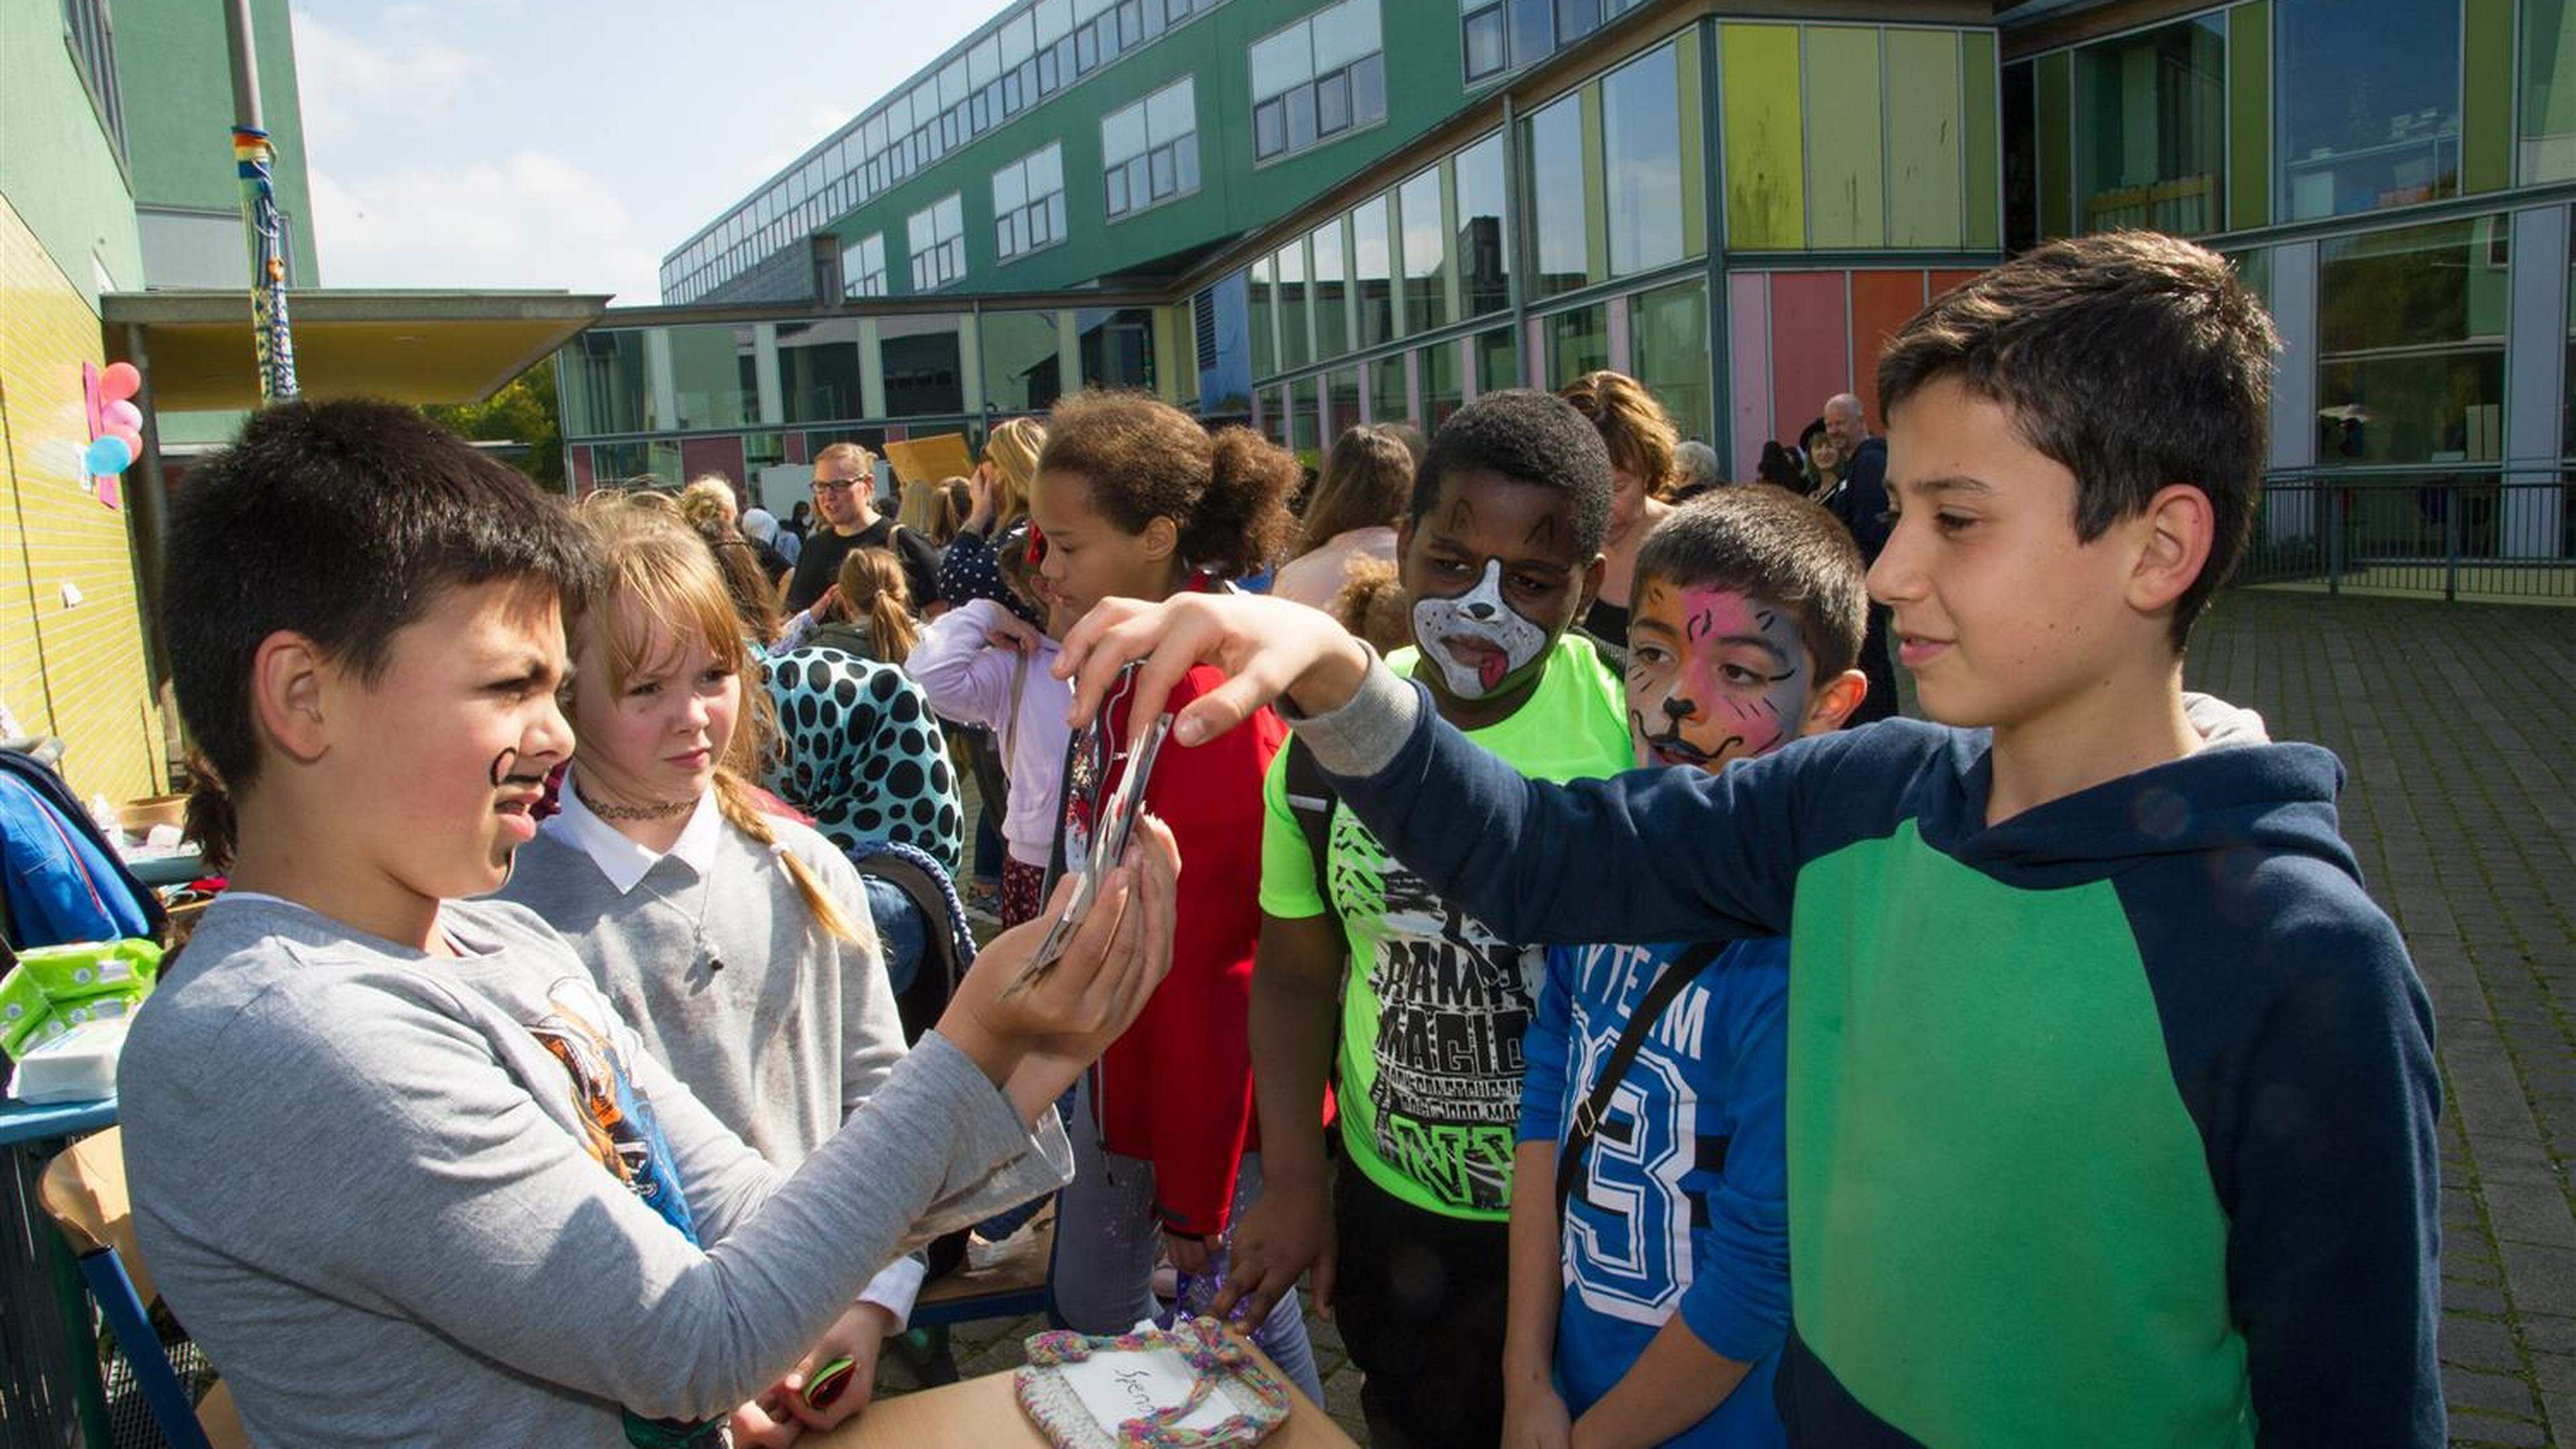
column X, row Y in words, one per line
column 2110, row 1124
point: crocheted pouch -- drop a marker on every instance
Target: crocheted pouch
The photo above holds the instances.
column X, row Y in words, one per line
column 1193, row 1386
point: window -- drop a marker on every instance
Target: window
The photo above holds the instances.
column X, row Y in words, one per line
column 1821, row 154
column 2410, row 344
column 938, row 234
column 1484, row 279
column 2548, row 92
column 1372, row 285
column 1028, row 203
column 1577, row 342
column 1641, row 155
column 2151, row 129
column 1117, row 346
column 1150, row 150
column 1668, row 340
column 602, row 378
column 863, row 272
column 1388, row 397
column 818, row 370
column 1289, row 267
column 1425, row 230
column 1498, row 359
column 1442, row 393
column 2369, row 104
column 712, row 377
column 1256, row 298
column 1317, row 79
column 1558, row 231
column 1503, row 35
column 1332, row 319
column 923, row 370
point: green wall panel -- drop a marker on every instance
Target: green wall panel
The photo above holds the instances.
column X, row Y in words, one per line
column 2056, row 180
column 178, row 97
column 1923, row 190
column 1846, row 164
column 1766, row 205
column 2486, row 104
column 58, row 171
column 1596, row 189
column 1977, row 111
column 2249, row 115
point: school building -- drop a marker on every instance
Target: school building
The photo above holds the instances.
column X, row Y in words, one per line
column 1306, row 215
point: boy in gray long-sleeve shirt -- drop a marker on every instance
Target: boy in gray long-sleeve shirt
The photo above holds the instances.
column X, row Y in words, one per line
column 394, row 1160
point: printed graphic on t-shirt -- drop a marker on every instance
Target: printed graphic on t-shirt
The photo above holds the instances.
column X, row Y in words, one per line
column 1452, row 1002
column 1627, row 1246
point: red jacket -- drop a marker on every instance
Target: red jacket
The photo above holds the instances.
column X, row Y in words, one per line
column 1176, row 1090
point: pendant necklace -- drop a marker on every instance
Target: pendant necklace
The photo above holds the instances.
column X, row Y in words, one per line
column 701, row 951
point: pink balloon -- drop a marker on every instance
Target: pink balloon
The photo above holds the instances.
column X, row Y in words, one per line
column 119, row 381
column 132, row 440
column 122, row 414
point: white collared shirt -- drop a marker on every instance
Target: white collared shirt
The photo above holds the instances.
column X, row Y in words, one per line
column 624, row 861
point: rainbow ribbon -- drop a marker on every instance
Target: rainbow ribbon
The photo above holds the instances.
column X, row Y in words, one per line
column 271, row 334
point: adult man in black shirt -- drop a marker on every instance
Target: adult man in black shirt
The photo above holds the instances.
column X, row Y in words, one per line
column 1861, row 504
column 846, row 518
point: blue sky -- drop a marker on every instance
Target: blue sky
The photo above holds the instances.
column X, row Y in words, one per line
column 570, row 143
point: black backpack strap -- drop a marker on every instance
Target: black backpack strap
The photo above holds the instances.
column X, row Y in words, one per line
column 1310, row 798
column 1587, row 1114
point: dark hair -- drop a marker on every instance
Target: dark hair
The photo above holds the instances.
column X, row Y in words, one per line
column 2134, row 359
column 1411, row 437
column 1226, row 493
column 343, row 522
column 1532, row 437
column 1771, row 545
column 1807, row 435
column 1780, row 467
column 1368, row 478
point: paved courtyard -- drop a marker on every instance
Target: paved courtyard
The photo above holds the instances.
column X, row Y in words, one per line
column 2457, row 726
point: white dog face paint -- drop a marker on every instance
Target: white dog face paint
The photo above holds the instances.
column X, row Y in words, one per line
column 1476, row 639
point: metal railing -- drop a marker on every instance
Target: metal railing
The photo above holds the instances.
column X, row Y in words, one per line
column 2453, row 531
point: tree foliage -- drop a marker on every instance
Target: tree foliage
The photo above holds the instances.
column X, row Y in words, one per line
column 521, row 412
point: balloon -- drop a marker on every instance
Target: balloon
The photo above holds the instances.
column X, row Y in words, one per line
column 109, row 455
column 132, row 440
column 122, row 414
column 119, row 381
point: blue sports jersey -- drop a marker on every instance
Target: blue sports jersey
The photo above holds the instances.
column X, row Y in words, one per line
column 1683, row 1206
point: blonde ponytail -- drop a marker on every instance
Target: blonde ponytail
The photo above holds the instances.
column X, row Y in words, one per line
column 741, row 810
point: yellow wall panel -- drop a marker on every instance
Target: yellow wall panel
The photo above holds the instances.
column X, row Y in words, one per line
column 1846, row 181
column 74, row 670
column 1924, row 180
column 1766, row 203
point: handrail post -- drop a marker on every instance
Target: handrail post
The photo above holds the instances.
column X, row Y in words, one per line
column 2451, row 506
column 2334, row 536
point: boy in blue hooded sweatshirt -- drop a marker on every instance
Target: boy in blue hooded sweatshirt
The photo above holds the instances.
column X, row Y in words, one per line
column 2111, row 1094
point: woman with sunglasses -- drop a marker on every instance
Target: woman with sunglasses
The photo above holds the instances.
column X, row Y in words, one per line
column 1135, row 499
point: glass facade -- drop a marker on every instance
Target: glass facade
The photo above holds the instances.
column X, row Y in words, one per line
column 1558, row 233
column 923, row 365
column 1484, row 276
column 1372, row 274
column 863, row 268
column 1428, row 277
column 1327, row 290
column 1578, row 341
column 2548, row 111
column 1642, row 163
column 2411, row 344
column 2369, row 103
column 818, row 371
column 1668, row 343
column 1023, row 357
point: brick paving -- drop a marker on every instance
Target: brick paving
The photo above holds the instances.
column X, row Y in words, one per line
column 2457, row 728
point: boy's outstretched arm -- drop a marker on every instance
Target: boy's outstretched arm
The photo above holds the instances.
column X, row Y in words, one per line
column 1648, row 856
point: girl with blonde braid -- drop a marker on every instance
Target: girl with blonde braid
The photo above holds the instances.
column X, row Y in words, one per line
column 736, row 942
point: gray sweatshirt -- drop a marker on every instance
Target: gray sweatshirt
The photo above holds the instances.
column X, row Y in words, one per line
column 794, row 1030
column 410, row 1199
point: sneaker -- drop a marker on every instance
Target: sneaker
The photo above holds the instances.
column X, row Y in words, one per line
column 983, row 902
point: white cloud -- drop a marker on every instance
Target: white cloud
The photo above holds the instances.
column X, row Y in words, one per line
column 529, row 219
column 352, row 89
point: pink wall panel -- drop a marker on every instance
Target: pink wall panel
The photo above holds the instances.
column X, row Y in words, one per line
column 1881, row 302
column 1748, row 325
column 581, row 472
column 1810, row 348
column 795, row 448
column 713, row 455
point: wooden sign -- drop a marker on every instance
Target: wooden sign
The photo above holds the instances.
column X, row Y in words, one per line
column 934, row 459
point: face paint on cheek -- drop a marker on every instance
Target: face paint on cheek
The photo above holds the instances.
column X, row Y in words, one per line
column 1476, row 640
column 501, row 764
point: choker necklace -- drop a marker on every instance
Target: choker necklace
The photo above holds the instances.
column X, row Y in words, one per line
column 662, row 810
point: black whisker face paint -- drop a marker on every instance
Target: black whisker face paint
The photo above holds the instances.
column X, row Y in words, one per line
column 501, row 767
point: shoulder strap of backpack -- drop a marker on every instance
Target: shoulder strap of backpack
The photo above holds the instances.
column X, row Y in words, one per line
column 1310, row 798
column 1587, row 1114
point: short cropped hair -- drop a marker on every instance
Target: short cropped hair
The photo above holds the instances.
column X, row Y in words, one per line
column 2134, row 359
column 1772, row 545
column 1634, row 426
column 1530, row 437
column 343, row 522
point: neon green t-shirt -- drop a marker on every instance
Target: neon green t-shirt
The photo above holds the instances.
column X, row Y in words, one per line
column 1434, row 1009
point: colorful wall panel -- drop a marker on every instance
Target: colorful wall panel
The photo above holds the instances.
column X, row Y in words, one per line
column 1924, row 178
column 1881, row 302
column 714, row 455
column 1748, row 368
column 1795, row 339
column 1846, row 201
column 1766, row 205
column 1811, row 348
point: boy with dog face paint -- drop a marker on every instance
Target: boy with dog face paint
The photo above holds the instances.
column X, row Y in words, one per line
column 1498, row 559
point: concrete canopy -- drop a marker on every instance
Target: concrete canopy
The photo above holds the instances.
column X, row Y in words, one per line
column 411, row 346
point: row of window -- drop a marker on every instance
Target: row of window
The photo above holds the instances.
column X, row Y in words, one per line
column 701, row 377
column 2288, row 110
column 1028, row 57
column 1505, row 35
column 1317, row 78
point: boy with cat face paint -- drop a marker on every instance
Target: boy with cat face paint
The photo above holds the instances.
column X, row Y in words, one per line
column 1498, row 559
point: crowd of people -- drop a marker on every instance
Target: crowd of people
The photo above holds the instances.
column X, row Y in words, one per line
column 1543, row 951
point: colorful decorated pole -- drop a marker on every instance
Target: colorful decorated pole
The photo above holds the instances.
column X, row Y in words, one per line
column 271, row 336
